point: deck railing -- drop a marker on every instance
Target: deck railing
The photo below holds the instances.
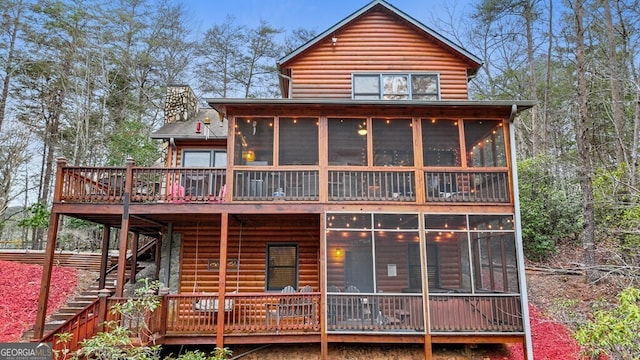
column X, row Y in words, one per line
column 254, row 185
column 180, row 185
column 374, row 312
column 467, row 186
column 150, row 185
column 372, row 186
column 462, row 313
column 246, row 313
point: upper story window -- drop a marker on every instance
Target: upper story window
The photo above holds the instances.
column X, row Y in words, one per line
column 396, row 86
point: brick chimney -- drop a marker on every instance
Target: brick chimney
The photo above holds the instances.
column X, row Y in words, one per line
column 181, row 104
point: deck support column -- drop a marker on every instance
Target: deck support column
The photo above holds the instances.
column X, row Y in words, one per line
column 324, row 342
column 124, row 230
column 122, row 255
column 47, row 265
column 47, row 268
column 134, row 258
column 104, row 258
column 222, row 280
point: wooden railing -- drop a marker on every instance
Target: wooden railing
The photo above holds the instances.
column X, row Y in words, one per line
column 282, row 313
column 297, row 313
column 150, row 185
column 374, row 312
column 81, row 326
column 253, row 185
column 188, row 185
column 93, row 185
column 467, row 186
column 372, row 186
column 475, row 313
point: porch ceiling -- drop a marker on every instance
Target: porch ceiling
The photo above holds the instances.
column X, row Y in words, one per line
column 153, row 224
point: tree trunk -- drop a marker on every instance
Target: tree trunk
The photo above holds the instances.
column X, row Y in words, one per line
column 15, row 24
column 617, row 106
column 583, row 139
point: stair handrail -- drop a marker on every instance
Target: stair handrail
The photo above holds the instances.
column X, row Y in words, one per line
column 87, row 319
column 141, row 250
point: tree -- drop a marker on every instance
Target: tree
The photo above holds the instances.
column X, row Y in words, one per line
column 218, row 53
column 583, row 140
column 12, row 16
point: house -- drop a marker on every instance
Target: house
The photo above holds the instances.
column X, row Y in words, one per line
column 373, row 203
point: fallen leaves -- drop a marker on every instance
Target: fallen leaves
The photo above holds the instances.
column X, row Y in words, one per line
column 19, row 291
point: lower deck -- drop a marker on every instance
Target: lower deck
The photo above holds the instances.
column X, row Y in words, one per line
column 358, row 275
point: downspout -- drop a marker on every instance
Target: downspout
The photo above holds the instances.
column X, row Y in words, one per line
column 174, row 151
column 519, row 251
column 290, row 84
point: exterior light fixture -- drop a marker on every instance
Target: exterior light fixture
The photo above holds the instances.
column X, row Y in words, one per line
column 338, row 251
column 362, row 129
column 334, row 41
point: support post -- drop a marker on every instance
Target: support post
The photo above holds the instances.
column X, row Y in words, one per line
column 104, row 258
column 222, row 280
column 158, row 256
column 47, row 266
column 324, row 339
column 134, row 258
column 124, row 231
column 103, row 296
column 164, row 311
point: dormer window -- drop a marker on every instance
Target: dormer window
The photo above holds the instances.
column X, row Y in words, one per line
column 396, row 86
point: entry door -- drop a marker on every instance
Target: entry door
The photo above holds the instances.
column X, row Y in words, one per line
column 358, row 269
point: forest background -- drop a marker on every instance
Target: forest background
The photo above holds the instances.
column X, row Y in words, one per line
column 86, row 79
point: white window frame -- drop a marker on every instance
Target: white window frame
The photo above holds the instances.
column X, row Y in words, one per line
column 381, row 76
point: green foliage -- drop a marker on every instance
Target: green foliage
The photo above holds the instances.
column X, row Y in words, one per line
column 549, row 213
column 116, row 342
column 614, row 330
column 131, row 138
column 617, row 208
column 39, row 218
column 217, row 354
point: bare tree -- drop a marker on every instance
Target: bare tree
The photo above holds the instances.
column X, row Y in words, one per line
column 583, row 140
column 10, row 23
column 218, row 54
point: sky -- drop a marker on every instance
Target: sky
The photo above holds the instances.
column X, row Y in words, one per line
column 309, row 14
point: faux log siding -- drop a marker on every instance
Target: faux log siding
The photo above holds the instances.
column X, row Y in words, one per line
column 375, row 43
column 251, row 277
column 450, row 265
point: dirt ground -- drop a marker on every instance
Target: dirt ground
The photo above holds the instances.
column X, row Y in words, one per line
column 362, row 352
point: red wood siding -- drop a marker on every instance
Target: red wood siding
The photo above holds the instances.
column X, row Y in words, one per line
column 374, row 43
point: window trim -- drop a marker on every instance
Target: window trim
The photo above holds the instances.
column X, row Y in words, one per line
column 381, row 76
column 268, row 265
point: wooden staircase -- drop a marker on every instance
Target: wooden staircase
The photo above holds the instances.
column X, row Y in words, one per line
column 89, row 295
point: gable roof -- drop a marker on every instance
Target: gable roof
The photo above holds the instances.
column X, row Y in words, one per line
column 474, row 62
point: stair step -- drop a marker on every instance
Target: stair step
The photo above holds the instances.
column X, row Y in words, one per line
column 60, row 316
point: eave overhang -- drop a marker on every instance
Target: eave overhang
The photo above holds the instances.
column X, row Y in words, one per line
column 347, row 107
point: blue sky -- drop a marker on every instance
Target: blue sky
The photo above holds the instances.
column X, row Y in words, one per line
column 308, row 14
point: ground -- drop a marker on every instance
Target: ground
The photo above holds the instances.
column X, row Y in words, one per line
column 552, row 297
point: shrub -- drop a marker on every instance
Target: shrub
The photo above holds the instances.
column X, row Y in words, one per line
column 614, row 330
column 549, row 207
